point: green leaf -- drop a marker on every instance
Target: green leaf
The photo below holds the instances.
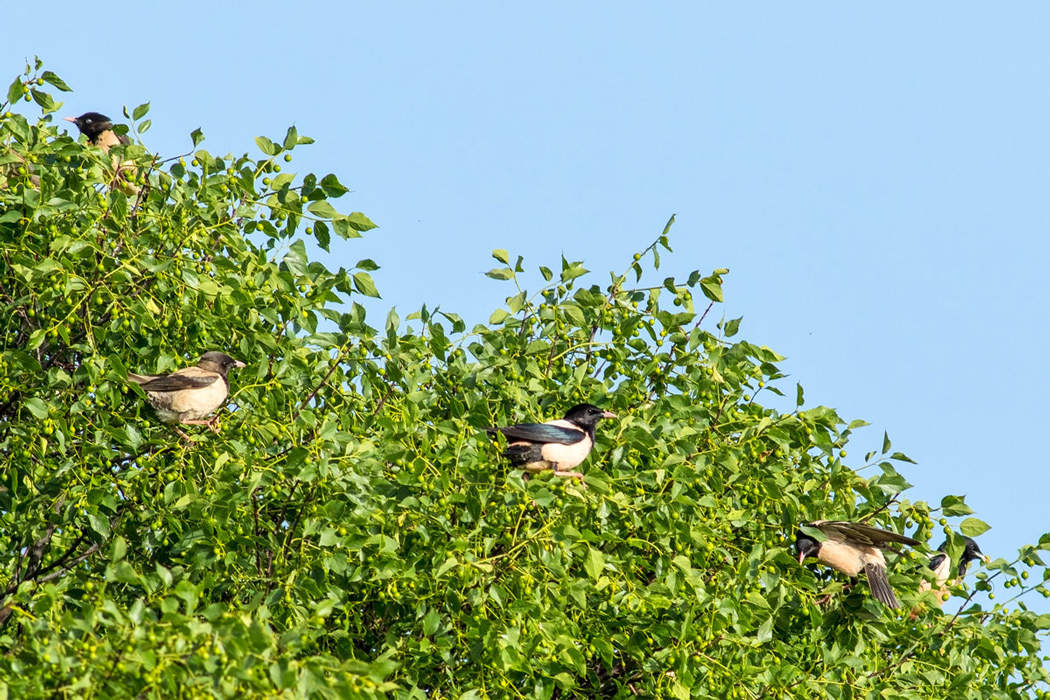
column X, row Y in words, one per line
column 47, row 105
column 123, row 571
column 321, row 234
column 972, row 527
column 323, row 210
column 296, row 259
column 731, row 327
column 140, row 111
column 197, row 136
column 712, row 287
column 431, row 622
column 814, row 532
column 331, row 186
column 99, row 525
column 500, row 273
column 954, row 505
column 594, row 563
column 667, row 228
column 119, row 549
column 571, row 270
column 291, row 138
column 266, row 145
column 51, row 78
column 765, row 632
column 364, row 284
column 359, row 222
column 37, row 407
column 501, row 255
column 165, row 575
column 886, row 444
column 14, row 92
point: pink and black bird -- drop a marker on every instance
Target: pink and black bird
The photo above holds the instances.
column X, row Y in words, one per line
column 941, row 564
column 99, row 130
column 559, row 445
column 191, row 394
column 852, row 548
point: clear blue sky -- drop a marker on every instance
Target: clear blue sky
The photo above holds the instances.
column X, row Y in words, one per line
column 875, row 177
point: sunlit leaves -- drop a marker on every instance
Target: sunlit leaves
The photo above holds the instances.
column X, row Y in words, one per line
column 972, row 527
column 266, row 145
column 351, row 531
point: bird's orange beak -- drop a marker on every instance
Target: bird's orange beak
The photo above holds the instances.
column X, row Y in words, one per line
column 801, row 557
column 608, row 414
column 238, row 363
column 70, row 119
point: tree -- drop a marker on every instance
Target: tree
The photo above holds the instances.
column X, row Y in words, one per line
column 351, row 532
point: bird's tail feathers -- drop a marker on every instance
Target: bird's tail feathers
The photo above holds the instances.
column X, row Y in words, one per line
column 522, row 453
column 880, row 586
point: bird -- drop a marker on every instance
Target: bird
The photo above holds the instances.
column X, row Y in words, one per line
column 190, row 394
column 852, row 547
column 99, row 130
column 559, row 445
column 941, row 565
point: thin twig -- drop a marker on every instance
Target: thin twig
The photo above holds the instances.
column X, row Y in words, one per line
column 312, row 394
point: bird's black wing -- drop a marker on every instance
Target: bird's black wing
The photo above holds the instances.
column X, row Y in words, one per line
column 541, row 433
column 179, row 382
column 861, row 534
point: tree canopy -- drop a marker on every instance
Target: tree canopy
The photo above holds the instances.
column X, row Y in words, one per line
column 351, row 531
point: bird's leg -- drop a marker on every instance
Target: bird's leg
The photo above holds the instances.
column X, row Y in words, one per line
column 184, row 436
column 210, row 423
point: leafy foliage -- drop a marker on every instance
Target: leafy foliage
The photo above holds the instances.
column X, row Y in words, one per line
column 351, row 532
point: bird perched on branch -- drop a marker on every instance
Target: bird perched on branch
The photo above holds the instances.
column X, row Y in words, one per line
column 941, row 564
column 99, row 130
column 851, row 548
column 190, row 394
column 559, row 445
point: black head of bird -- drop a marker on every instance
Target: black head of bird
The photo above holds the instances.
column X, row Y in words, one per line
column 971, row 552
column 91, row 124
column 807, row 546
column 587, row 416
column 218, row 362
column 99, row 130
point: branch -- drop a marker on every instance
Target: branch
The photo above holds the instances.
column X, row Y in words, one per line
column 312, row 394
column 79, row 558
